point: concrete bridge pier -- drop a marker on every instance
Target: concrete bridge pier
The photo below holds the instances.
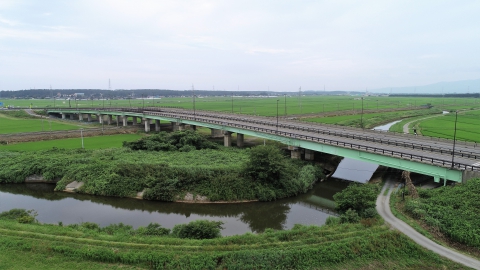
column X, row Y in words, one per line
column 64, row 116
column 239, row 140
column 109, row 119
column 227, row 139
column 100, row 118
column 89, row 117
column 80, row 117
column 178, row 126
column 157, row 125
column 147, row 124
column 134, row 120
column 72, row 116
column 194, row 128
column 125, row 120
column 309, row 154
column 216, row 133
column 295, row 152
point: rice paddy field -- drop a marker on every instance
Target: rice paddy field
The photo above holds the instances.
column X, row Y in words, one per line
column 11, row 124
column 468, row 126
column 97, row 142
column 267, row 106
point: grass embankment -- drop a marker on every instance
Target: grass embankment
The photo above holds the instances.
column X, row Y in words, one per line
column 371, row 120
column 20, row 121
column 168, row 169
column 343, row 246
column 442, row 215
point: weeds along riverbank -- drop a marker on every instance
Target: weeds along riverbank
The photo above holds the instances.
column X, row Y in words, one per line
column 355, row 240
column 168, row 167
column 450, row 214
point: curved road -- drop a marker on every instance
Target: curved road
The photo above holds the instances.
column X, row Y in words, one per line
column 383, row 208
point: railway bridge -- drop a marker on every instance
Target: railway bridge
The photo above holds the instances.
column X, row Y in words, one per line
column 442, row 159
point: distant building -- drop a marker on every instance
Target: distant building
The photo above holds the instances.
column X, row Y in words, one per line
column 79, row 94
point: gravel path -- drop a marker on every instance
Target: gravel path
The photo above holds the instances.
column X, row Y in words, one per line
column 383, row 208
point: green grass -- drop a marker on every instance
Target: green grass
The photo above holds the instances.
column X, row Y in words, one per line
column 267, row 106
column 10, row 124
column 371, row 120
column 97, row 142
column 468, row 126
column 344, row 246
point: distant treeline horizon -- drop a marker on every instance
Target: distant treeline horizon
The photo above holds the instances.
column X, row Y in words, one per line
column 141, row 93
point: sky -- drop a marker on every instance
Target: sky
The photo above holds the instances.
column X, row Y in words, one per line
column 237, row 45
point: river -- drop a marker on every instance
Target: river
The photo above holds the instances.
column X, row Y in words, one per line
column 311, row 208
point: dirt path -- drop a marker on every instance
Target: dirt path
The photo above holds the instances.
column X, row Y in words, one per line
column 383, row 208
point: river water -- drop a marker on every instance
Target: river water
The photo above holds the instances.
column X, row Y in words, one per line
column 311, row 208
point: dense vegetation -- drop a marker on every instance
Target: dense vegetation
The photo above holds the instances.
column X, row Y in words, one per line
column 454, row 211
column 219, row 174
column 339, row 246
column 176, row 141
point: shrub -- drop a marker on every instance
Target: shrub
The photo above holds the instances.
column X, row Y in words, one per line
column 20, row 215
column 153, row 229
column 350, row 216
column 358, row 197
column 370, row 213
column 198, row 229
column 332, row 220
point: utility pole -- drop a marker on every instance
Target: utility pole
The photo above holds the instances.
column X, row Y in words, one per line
column 277, row 118
column 193, row 94
column 454, row 138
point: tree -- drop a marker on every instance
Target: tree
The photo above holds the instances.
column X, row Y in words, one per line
column 266, row 164
column 358, row 197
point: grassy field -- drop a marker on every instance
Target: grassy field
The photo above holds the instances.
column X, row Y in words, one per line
column 11, row 124
column 344, row 246
column 371, row 120
column 468, row 126
column 99, row 142
column 289, row 105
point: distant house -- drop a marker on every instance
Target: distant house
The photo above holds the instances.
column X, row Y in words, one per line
column 79, row 94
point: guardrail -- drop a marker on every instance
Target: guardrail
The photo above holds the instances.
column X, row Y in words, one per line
column 186, row 114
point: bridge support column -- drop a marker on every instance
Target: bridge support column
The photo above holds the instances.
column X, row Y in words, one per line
column 239, row 140
column 295, row 152
column 309, row 154
column 157, row 125
column 100, row 118
column 147, row 124
column 109, row 119
column 72, row 116
column 80, row 117
column 216, row 133
column 194, row 128
column 89, row 117
column 64, row 116
column 134, row 123
column 125, row 120
column 227, row 139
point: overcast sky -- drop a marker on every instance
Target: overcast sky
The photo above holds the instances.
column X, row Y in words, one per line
column 246, row 45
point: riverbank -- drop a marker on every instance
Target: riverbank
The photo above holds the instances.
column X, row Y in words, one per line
column 339, row 246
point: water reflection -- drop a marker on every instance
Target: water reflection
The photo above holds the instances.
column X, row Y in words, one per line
column 52, row 207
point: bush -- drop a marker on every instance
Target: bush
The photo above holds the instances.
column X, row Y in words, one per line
column 153, row 229
column 370, row 213
column 20, row 215
column 358, row 197
column 266, row 164
column 350, row 216
column 184, row 141
column 331, row 220
column 198, row 229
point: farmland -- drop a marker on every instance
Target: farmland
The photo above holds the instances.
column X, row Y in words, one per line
column 97, row 142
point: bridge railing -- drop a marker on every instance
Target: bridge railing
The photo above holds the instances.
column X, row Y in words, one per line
column 395, row 153
column 186, row 114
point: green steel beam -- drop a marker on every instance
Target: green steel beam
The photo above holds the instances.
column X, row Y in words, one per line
column 394, row 162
